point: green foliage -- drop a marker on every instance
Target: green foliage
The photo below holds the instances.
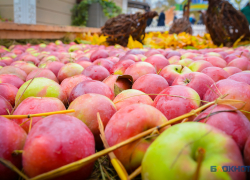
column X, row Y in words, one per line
column 80, row 11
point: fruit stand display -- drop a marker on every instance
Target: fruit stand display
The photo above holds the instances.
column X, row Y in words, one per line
column 93, row 111
column 155, row 106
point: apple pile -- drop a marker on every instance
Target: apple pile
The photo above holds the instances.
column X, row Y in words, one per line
column 133, row 90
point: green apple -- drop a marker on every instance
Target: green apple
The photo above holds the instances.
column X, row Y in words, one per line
column 174, row 154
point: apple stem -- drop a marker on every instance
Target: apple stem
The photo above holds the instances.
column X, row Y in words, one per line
column 201, row 155
column 13, row 168
column 37, row 115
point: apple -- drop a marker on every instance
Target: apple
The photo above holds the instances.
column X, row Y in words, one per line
column 131, row 96
column 86, row 108
column 13, row 70
column 30, row 58
column 82, row 58
column 100, row 53
column 69, row 83
column 241, row 77
column 6, row 60
column 5, row 106
column 150, row 84
column 11, row 79
column 158, row 61
column 152, row 52
column 2, row 64
column 217, row 61
column 49, row 58
column 235, row 123
column 173, row 106
column 128, row 122
column 213, row 54
column 174, row 59
column 130, row 57
column 198, row 66
column 232, row 70
column 36, row 105
column 240, row 63
column 8, row 91
column 40, row 87
column 69, row 70
column 120, row 67
column 42, row 73
column 96, row 72
column 85, row 64
column 118, row 83
column 198, row 81
column 215, row 73
column 54, row 66
column 91, row 86
column 75, row 48
column 139, row 69
column 12, row 138
column 172, row 53
column 26, row 67
column 174, row 154
column 105, row 63
column 135, row 51
column 171, row 72
column 185, row 62
column 234, row 90
column 232, row 57
column 188, row 55
column 55, row 141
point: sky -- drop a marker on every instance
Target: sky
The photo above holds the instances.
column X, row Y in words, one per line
column 243, row 2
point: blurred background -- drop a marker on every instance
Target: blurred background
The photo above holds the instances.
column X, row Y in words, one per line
column 94, row 13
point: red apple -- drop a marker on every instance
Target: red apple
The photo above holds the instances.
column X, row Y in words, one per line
column 185, row 62
column 171, row 72
column 42, row 73
column 31, row 58
column 91, row 86
column 85, row 64
column 11, row 79
column 233, row 89
column 13, row 70
column 152, row 52
column 120, row 67
column 173, row 106
column 86, row 108
column 139, row 69
column 131, row 96
column 241, row 77
column 174, row 59
column 96, row 72
column 118, row 83
column 6, row 60
column 217, row 61
column 240, row 63
column 215, row 73
column 8, row 91
column 105, row 63
column 69, row 83
column 130, row 57
column 5, row 106
column 69, row 70
column 198, row 81
column 36, row 105
column 198, row 66
column 158, row 61
column 234, row 123
column 54, row 67
column 100, row 53
column 151, row 84
column 12, row 138
column 128, row 122
column 55, row 141
column 232, row 70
